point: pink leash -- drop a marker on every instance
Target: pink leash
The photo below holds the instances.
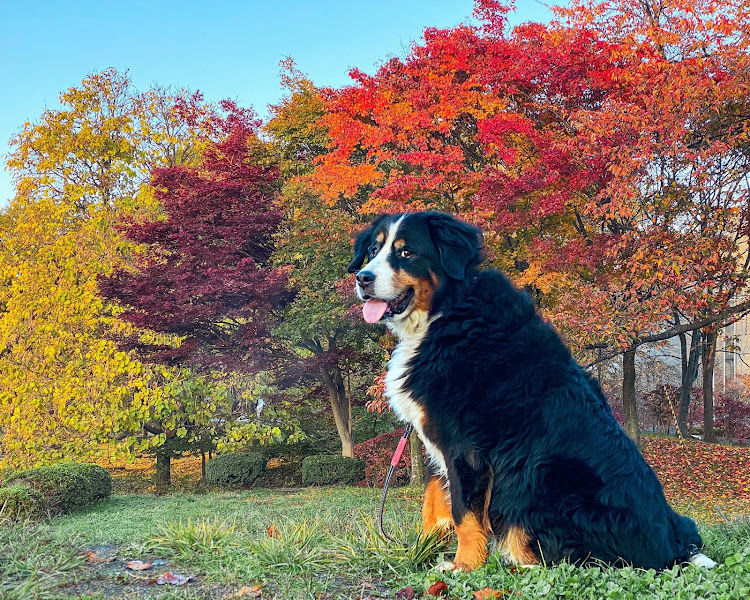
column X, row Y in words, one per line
column 391, row 470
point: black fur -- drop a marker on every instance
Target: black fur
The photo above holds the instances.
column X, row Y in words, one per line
column 510, row 408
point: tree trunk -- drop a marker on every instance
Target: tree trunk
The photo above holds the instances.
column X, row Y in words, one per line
column 417, row 464
column 163, row 472
column 689, row 375
column 709, row 359
column 632, row 428
column 203, row 471
column 340, row 406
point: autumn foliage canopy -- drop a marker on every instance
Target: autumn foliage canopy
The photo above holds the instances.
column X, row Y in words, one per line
column 605, row 156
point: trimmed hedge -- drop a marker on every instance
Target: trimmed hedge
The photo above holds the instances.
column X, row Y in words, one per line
column 66, row 486
column 19, row 502
column 235, row 470
column 327, row 469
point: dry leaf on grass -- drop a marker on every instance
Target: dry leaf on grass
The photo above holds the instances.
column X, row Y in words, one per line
column 489, row 594
column 406, row 593
column 172, row 579
column 246, row 591
column 438, row 588
column 93, row 557
column 138, row 565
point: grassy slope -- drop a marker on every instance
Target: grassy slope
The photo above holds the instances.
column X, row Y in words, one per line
column 323, row 546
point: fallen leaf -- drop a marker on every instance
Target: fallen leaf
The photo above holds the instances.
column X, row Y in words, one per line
column 246, row 591
column 272, row 531
column 138, row 565
column 406, row 593
column 93, row 557
column 489, row 594
column 437, row 588
column 171, row 579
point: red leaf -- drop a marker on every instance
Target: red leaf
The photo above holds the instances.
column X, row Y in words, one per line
column 172, row 579
column 438, row 588
column 406, row 593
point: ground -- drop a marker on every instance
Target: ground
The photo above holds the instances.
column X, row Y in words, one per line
column 322, row 543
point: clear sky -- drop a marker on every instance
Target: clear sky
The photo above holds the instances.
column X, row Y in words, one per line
column 224, row 48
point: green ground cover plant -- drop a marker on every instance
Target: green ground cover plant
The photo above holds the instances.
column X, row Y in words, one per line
column 308, row 543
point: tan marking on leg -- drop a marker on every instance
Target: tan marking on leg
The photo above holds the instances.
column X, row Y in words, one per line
column 436, row 507
column 472, row 543
column 516, row 547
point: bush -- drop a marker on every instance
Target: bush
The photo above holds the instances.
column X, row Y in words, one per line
column 19, row 502
column 369, row 424
column 377, row 454
column 235, row 470
column 327, row 469
column 66, row 486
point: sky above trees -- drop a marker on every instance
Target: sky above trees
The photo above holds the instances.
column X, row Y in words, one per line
column 226, row 49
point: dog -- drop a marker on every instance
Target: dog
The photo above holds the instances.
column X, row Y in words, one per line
column 523, row 444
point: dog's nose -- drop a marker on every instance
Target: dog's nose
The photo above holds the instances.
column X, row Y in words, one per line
column 365, row 277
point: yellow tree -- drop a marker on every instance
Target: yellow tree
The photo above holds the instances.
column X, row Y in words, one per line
column 64, row 385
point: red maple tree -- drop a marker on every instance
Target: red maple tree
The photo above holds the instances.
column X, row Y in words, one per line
column 205, row 274
column 604, row 155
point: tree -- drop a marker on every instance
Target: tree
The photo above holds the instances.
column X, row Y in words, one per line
column 205, row 275
column 202, row 280
column 66, row 390
column 330, row 343
column 604, row 156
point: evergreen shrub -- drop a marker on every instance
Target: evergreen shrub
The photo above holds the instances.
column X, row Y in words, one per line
column 235, row 470
column 66, row 486
column 327, row 469
column 20, row 502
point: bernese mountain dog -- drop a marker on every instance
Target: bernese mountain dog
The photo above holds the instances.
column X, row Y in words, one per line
column 523, row 444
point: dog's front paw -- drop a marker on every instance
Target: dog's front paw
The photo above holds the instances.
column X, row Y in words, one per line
column 445, row 566
column 701, row 560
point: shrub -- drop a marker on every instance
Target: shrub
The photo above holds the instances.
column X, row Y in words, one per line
column 19, row 502
column 732, row 414
column 235, row 470
column 369, row 424
column 327, row 469
column 377, row 454
column 66, row 486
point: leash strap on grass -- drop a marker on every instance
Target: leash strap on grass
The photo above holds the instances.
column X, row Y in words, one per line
column 391, row 470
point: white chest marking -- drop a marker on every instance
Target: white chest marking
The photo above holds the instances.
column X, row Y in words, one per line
column 400, row 396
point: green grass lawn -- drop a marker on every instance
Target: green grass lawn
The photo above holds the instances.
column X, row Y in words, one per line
column 311, row 543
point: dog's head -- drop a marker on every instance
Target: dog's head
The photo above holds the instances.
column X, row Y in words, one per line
column 412, row 259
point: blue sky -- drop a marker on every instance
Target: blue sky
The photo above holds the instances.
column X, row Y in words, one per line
column 226, row 49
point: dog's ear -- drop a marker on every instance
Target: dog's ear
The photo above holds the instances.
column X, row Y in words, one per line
column 459, row 244
column 362, row 243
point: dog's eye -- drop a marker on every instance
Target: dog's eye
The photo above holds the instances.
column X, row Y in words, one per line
column 406, row 253
column 372, row 251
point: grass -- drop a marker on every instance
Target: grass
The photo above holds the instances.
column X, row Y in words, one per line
column 310, row 543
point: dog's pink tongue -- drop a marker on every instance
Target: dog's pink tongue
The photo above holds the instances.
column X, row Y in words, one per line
column 373, row 310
